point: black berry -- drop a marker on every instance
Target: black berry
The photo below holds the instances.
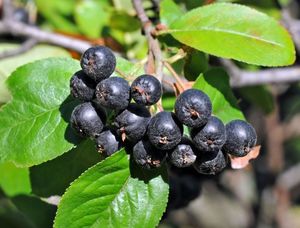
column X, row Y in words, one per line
column 87, row 120
column 113, row 93
column 210, row 163
column 146, row 90
column 183, row 155
column 147, row 156
column 241, row 137
column 211, row 137
column 131, row 123
column 82, row 87
column 164, row 130
column 107, row 143
column 193, row 108
column 98, row 63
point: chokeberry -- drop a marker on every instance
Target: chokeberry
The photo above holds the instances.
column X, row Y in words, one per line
column 241, row 137
column 88, row 119
column 98, row 62
column 131, row 123
column 82, row 87
column 183, row 154
column 211, row 137
column 146, row 90
column 164, row 130
column 107, row 143
column 146, row 155
column 193, row 108
column 113, row 93
column 210, row 163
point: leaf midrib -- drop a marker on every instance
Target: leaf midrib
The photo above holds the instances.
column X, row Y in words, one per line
column 226, row 31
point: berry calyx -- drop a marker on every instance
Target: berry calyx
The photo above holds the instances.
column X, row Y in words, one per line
column 98, row 63
column 211, row 137
column 241, row 138
column 146, row 90
column 193, row 108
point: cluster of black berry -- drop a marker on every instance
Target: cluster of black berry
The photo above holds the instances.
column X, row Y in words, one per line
column 108, row 117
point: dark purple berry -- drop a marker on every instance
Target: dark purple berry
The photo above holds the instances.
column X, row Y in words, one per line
column 193, row 108
column 147, row 156
column 146, row 90
column 164, row 130
column 82, row 87
column 107, row 143
column 88, row 120
column 113, row 93
column 131, row 123
column 211, row 137
column 183, row 154
column 241, row 137
column 98, row 63
column 211, row 163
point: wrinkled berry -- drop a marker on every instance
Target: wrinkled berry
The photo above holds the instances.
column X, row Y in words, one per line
column 193, row 108
column 210, row 163
column 88, row 119
column 146, row 90
column 241, row 137
column 131, row 123
column 164, row 130
column 107, row 143
column 183, row 154
column 113, row 93
column 82, row 87
column 147, row 156
column 98, row 63
column 211, row 137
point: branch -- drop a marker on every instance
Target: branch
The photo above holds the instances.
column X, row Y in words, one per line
column 27, row 45
column 240, row 78
column 155, row 63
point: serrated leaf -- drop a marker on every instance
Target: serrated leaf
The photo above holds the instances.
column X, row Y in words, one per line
column 215, row 83
column 34, row 125
column 237, row 32
column 8, row 65
column 169, row 12
column 14, row 180
column 114, row 193
column 53, row 177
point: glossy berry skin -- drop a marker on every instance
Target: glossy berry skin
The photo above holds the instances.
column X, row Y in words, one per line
column 241, row 137
column 113, row 93
column 107, row 143
column 211, row 137
column 98, row 63
column 193, row 108
column 164, row 131
column 88, row 120
column 211, row 163
column 147, row 156
column 82, row 87
column 146, row 90
column 183, row 154
column 131, row 123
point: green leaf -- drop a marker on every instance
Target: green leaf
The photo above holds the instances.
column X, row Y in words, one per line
column 53, row 177
column 8, row 65
column 114, row 193
column 169, row 12
column 237, row 32
column 122, row 21
column 128, row 70
column 215, row 83
column 195, row 63
column 91, row 17
column 34, row 125
column 14, row 180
